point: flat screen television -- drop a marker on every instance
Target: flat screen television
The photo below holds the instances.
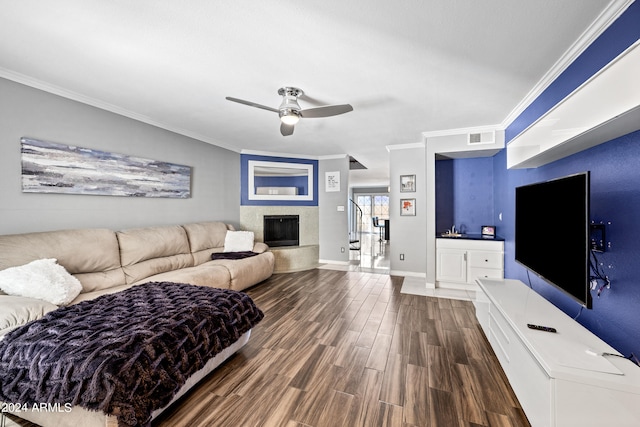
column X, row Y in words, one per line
column 552, row 233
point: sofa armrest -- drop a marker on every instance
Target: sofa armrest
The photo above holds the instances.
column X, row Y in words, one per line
column 260, row 247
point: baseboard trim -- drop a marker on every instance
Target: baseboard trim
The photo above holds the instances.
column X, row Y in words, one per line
column 408, row 273
column 330, row 261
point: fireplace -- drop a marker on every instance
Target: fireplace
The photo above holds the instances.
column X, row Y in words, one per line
column 281, row 230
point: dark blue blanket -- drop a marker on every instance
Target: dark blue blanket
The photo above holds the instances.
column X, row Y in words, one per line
column 233, row 255
column 126, row 353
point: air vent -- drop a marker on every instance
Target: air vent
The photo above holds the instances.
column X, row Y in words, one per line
column 481, row 138
column 354, row 164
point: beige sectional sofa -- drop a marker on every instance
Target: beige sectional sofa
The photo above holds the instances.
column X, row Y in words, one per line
column 106, row 261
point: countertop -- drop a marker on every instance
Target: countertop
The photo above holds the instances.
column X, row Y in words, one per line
column 469, row 236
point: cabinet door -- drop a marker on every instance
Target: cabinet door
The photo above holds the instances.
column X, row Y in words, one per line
column 451, row 265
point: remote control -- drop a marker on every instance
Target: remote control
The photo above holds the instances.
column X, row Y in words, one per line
column 541, row 328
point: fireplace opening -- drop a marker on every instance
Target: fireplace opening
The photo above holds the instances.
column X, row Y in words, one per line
column 281, row 230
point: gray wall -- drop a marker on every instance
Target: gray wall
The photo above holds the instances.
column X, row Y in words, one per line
column 24, row 111
column 408, row 233
column 334, row 224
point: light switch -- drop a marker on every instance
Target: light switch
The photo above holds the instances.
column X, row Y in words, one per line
column 340, row 208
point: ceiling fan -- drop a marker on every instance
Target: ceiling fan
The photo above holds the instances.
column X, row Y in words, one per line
column 290, row 111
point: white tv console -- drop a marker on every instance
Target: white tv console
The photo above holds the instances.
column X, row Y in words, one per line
column 561, row 379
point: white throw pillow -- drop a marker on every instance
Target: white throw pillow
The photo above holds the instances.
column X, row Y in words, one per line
column 238, row 241
column 43, row 279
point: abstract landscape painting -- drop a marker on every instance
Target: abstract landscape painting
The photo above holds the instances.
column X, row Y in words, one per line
column 49, row 167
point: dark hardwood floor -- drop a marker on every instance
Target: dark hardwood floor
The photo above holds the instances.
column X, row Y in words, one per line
column 340, row 348
column 346, row 348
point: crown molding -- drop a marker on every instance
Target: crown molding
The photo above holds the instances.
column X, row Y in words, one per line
column 611, row 12
column 462, row 131
column 333, row 156
column 295, row 156
column 275, row 154
column 405, row 146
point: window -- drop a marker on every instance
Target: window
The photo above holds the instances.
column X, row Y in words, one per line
column 372, row 205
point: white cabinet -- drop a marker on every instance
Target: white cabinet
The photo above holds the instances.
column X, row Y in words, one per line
column 603, row 108
column 452, row 265
column 460, row 261
column 556, row 376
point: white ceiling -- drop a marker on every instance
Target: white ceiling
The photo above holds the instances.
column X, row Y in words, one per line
column 406, row 66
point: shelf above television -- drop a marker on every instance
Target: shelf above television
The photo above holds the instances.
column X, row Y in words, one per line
column 605, row 107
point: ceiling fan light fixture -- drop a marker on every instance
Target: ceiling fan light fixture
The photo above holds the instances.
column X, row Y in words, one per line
column 289, row 116
column 290, row 112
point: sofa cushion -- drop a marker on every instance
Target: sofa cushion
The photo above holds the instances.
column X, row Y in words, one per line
column 42, row 279
column 248, row 271
column 16, row 311
column 92, row 255
column 206, row 235
column 205, row 238
column 148, row 251
column 95, row 294
column 203, row 275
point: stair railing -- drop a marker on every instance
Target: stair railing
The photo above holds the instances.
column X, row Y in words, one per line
column 355, row 226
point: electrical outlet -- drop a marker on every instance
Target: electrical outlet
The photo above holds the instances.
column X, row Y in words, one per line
column 401, row 257
column 342, row 249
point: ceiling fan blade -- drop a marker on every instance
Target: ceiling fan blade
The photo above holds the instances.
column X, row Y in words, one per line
column 286, row 129
column 313, row 101
column 326, row 111
column 252, row 104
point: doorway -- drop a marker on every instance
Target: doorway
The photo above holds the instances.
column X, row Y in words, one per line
column 374, row 248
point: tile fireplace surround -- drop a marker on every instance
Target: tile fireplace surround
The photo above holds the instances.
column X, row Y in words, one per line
column 288, row 258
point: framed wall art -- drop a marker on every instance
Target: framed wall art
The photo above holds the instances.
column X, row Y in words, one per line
column 407, row 183
column 48, row 167
column 488, row 231
column 332, row 181
column 407, row 207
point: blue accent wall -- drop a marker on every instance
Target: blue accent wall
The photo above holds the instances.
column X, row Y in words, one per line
column 444, row 195
column 473, row 194
column 615, row 198
column 244, row 181
column 464, row 194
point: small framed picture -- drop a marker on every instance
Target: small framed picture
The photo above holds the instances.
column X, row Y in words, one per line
column 407, row 183
column 332, row 181
column 488, row 231
column 407, row 207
